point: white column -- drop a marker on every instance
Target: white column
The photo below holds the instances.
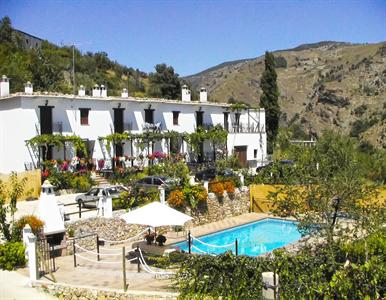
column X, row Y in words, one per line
column 32, row 258
column 271, row 285
column 27, row 231
column 161, row 194
column 108, row 211
column 241, row 179
column 206, row 185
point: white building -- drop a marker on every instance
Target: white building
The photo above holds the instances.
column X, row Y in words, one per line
column 25, row 115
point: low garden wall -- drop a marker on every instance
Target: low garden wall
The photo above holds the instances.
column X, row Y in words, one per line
column 218, row 209
column 114, row 229
column 68, row 292
column 32, row 186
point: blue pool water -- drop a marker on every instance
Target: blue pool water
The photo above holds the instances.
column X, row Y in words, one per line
column 253, row 239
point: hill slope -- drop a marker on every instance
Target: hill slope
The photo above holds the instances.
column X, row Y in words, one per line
column 327, row 85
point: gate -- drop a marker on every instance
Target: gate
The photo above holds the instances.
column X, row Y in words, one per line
column 45, row 258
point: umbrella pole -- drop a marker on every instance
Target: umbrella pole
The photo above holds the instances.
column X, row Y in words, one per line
column 155, row 235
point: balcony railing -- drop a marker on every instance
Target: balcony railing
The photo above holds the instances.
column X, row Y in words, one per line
column 244, row 128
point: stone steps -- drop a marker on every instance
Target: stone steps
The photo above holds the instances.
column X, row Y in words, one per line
column 100, row 180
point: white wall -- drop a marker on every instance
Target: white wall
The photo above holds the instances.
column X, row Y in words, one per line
column 20, row 114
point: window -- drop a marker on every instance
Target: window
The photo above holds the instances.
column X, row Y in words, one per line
column 199, row 118
column 84, row 116
column 149, row 116
column 255, row 153
column 226, row 121
column 175, row 117
column 157, row 181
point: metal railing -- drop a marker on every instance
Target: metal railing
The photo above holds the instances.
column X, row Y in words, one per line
column 245, row 128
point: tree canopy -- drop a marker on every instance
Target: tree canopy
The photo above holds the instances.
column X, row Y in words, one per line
column 164, row 83
column 269, row 99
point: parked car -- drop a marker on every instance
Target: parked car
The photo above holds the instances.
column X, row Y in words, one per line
column 155, row 182
column 91, row 198
column 211, row 173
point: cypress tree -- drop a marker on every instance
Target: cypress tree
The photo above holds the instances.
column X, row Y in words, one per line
column 269, row 99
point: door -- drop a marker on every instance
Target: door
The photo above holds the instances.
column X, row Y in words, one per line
column 118, row 128
column 199, row 119
column 241, row 153
column 46, row 128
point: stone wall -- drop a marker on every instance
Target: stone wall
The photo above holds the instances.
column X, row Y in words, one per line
column 114, row 229
column 67, row 292
column 225, row 207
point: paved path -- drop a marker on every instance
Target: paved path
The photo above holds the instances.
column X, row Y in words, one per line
column 15, row 286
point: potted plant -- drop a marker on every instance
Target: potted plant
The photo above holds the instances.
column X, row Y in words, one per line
column 149, row 237
column 161, row 239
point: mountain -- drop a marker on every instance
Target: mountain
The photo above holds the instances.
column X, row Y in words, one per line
column 325, row 85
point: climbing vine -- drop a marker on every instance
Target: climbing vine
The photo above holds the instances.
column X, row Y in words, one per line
column 216, row 135
column 58, row 141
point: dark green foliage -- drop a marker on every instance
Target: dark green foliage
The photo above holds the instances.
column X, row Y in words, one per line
column 49, row 68
column 164, row 83
column 269, row 99
column 361, row 125
column 354, row 270
column 227, row 276
column 280, row 62
column 12, row 255
column 360, row 110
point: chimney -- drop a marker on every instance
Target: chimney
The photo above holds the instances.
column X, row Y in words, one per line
column 185, row 93
column 203, row 95
column 96, row 92
column 82, row 91
column 124, row 93
column 103, row 91
column 4, row 86
column 28, row 88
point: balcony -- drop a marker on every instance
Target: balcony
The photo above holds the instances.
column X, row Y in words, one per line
column 244, row 128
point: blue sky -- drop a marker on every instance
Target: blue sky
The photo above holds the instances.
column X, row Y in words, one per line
column 195, row 35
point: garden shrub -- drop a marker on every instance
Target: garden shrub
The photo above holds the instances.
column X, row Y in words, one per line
column 170, row 168
column 217, row 187
column 81, row 183
column 335, row 271
column 12, row 255
column 195, row 195
column 125, row 201
column 229, row 187
column 34, row 222
column 176, row 198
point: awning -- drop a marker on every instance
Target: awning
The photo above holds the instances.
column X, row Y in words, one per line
column 156, row 214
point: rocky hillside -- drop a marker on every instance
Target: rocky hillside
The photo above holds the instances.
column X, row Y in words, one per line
column 332, row 85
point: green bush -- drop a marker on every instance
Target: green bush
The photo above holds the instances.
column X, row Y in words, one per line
column 170, row 168
column 81, row 183
column 125, row 201
column 339, row 271
column 12, row 255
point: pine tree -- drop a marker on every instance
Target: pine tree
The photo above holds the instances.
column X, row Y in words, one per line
column 269, row 99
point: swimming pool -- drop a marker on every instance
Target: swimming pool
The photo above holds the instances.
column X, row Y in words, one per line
column 253, row 239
